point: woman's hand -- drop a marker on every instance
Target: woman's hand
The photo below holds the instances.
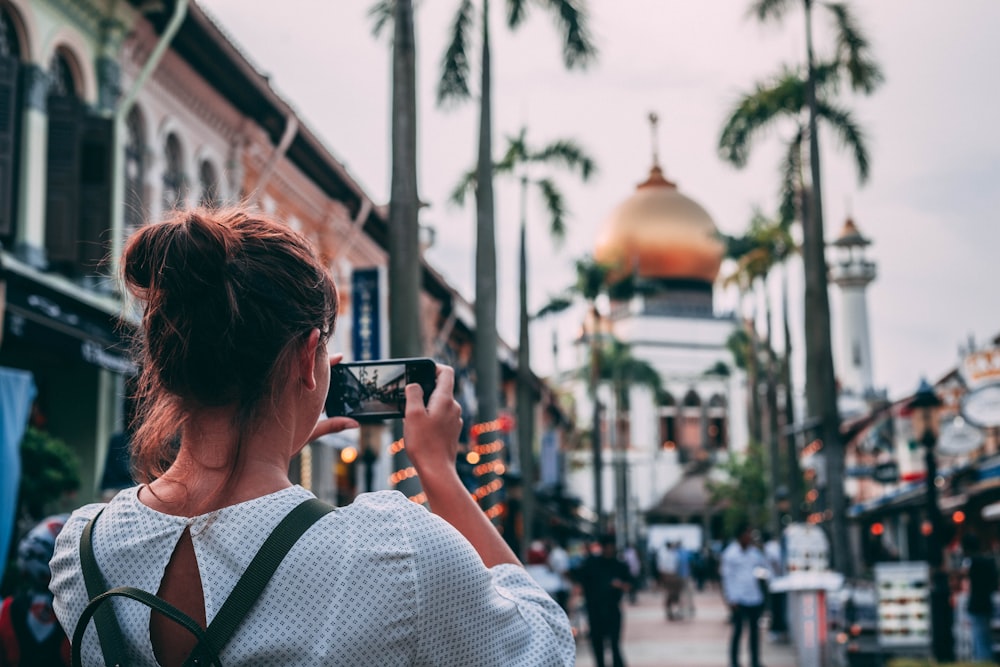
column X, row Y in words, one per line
column 333, row 424
column 431, row 432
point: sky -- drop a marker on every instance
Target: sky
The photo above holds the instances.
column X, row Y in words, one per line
column 930, row 206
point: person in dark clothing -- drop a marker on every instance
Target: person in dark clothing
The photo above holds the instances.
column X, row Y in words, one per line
column 29, row 632
column 604, row 578
column 981, row 571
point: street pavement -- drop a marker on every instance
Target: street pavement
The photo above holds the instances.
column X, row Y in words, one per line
column 649, row 640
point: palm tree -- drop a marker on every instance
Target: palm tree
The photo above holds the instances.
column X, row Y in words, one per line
column 404, row 202
column 577, row 51
column 592, row 280
column 851, row 58
column 766, row 244
column 520, row 157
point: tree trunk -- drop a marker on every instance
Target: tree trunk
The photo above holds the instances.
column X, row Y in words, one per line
column 405, row 330
column 771, row 399
column 794, row 469
column 821, row 384
column 487, row 364
column 595, row 438
column 753, row 387
column 525, row 393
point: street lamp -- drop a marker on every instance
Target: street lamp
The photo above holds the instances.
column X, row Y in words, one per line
column 925, row 404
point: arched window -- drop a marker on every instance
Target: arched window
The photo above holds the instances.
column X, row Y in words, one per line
column 690, row 431
column 135, row 171
column 209, row 184
column 62, row 186
column 668, row 421
column 10, row 47
column 717, row 415
column 10, row 63
column 174, row 191
column 61, row 82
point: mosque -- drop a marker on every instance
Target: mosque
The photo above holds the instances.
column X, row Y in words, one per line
column 658, row 446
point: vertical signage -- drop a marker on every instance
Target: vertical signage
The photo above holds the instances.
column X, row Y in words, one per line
column 366, row 314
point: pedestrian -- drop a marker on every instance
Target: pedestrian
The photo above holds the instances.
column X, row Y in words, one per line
column 777, row 600
column 684, row 572
column 742, row 563
column 237, row 313
column 29, row 633
column 604, row 579
column 558, row 561
column 667, row 564
column 980, row 570
column 631, row 557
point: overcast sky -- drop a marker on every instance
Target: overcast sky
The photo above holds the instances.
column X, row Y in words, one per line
column 930, row 207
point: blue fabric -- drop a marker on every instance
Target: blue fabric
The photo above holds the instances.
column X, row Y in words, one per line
column 982, row 642
column 17, row 391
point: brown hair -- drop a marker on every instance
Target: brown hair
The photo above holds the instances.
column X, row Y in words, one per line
column 226, row 295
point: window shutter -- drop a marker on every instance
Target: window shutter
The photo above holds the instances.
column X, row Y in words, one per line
column 62, row 202
column 95, row 192
column 8, row 142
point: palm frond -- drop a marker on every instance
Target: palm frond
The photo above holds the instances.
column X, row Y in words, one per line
column 768, row 10
column 454, row 83
column 591, row 277
column 465, row 185
column 791, row 178
column 854, row 50
column 381, row 15
column 577, row 44
column 555, row 204
column 567, row 153
column 556, row 304
column 516, row 153
column 850, row 134
column 768, row 103
column 517, row 10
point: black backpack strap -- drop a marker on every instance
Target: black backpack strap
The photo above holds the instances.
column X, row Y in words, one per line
column 211, row 641
column 108, row 631
column 257, row 575
column 95, row 606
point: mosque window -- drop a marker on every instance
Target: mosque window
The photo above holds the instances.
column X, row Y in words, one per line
column 135, row 170
column 173, row 175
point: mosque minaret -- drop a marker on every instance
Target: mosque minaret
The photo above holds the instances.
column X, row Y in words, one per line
column 852, row 272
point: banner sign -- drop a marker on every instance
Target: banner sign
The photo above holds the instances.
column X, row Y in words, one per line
column 366, row 314
column 982, row 368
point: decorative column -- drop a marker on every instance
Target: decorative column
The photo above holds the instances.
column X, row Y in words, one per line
column 29, row 244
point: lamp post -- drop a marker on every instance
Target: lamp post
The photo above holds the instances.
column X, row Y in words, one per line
column 926, row 404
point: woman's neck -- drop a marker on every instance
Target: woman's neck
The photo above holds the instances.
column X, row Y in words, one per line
column 216, row 467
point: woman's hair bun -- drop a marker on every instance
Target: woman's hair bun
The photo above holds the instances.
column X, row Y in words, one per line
column 183, row 256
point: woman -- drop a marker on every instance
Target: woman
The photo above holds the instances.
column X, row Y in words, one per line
column 237, row 313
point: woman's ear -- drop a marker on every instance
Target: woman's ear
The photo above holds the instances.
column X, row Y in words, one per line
column 306, row 360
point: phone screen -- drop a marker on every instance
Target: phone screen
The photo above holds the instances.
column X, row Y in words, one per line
column 375, row 390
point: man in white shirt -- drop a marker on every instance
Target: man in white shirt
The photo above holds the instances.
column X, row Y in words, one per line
column 667, row 564
column 742, row 563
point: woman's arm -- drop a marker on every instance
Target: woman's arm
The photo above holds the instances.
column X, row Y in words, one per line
column 431, row 437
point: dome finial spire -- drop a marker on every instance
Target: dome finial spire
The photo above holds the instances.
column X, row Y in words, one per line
column 654, row 121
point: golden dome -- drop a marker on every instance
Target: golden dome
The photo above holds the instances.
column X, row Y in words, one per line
column 660, row 233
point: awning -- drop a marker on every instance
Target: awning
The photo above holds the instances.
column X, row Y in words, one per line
column 688, row 498
column 43, row 316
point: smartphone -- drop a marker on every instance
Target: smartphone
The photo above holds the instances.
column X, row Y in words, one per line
column 370, row 391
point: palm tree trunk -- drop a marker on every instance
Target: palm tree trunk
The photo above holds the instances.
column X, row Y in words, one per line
column 771, row 399
column 753, row 382
column 794, row 470
column 485, row 351
column 821, row 387
column 595, row 437
column 525, row 394
column 405, row 332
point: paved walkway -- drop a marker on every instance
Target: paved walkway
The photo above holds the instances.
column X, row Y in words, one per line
column 651, row 641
